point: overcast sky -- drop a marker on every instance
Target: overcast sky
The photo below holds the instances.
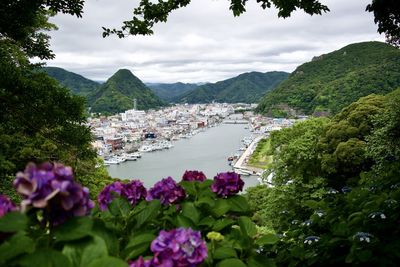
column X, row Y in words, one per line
column 204, row 42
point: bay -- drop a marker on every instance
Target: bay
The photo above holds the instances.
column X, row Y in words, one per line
column 207, row 151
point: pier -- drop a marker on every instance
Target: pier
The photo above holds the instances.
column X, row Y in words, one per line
column 241, row 166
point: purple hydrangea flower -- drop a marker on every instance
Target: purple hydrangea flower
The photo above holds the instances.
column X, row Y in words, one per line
column 133, row 191
column 167, row 191
column 140, row 262
column 51, row 187
column 6, row 205
column 194, row 176
column 179, row 247
column 108, row 193
column 227, row 184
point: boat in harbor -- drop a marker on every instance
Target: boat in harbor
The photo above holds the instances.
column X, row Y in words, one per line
column 111, row 161
column 136, row 154
column 120, row 158
column 130, row 157
column 146, row 148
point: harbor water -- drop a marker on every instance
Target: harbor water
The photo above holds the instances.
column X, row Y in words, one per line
column 206, row 151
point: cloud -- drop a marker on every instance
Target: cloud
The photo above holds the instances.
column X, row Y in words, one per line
column 204, row 42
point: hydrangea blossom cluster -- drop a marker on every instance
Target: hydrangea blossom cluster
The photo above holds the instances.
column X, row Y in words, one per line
column 363, row 237
column 377, row 214
column 194, row 176
column 167, row 191
column 227, row 184
column 6, row 205
column 140, row 262
column 51, row 187
column 307, row 223
column 311, row 239
column 133, row 191
column 179, row 247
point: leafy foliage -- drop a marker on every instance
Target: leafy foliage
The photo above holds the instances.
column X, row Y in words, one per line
column 245, row 88
column 125, row 232
column 117, row 94
column 387, row 16
column 40, row 121
column 347, row 216
column 332, row 81
column 22, row 23
column 148, row 13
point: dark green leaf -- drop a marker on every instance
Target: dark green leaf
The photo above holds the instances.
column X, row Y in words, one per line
column 108, row 235
column 189, row 187
column 248, row 227
column 208, row 221
column 108, row 262
column 190, row 211
column 138, row 245
column 120, row 207
column 267, row 239
column 84, row 251
column 205, row 185
column 140, row 239
column 45, row 258
column 231, row 263
column 74, row 228
column 221, row 207
column 224, row 253
column 365, row 255
column 183, row 221
column 238, row 204
column 205, row 200
column 13, row 222
column 148, row 213
column 260, row 261
column 312, row 204
column 14, row 246
column 222, row 223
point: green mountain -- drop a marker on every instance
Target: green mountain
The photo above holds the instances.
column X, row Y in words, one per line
column 245, row 88
column 170, row 92
column 332, row 81
column 78, row 84
column 118, row 93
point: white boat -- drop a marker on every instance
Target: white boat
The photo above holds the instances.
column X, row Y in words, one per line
column 120, row 158
column 137, row 155
column 146, row 148
column 130, row 157
column 111, row 161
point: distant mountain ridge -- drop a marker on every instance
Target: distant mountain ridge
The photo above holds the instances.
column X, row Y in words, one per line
column 119, row 91
column 114, row 96
column 246, row 88
column 78, row 84
column 170, row 92
column 334, row 80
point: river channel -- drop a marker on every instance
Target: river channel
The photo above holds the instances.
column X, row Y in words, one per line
column 207, row 151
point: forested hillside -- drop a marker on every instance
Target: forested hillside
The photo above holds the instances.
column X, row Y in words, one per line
column 119, row 92
column 332, row 81
column 170, row 92
column 245, row 88
column 336, row 189
column 78, row 84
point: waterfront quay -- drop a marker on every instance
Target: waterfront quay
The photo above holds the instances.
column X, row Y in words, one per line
column 128, row 135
